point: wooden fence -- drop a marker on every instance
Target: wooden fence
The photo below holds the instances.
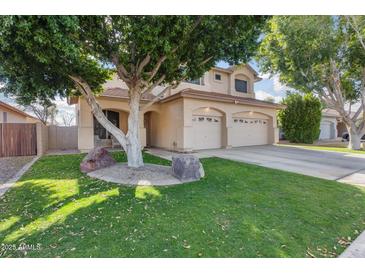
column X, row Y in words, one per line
column 18, row 139
column 62, row 137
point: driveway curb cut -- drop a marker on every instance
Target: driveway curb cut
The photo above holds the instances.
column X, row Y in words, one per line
column 9, row 183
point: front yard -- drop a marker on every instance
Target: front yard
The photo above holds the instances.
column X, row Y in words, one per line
column 238, row 210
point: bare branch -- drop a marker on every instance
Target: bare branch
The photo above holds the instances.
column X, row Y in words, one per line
column 67, row 119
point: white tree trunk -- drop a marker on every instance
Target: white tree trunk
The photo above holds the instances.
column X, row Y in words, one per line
column 130, row 142
column 134, row 150
column 354, row 138
column 103, row 120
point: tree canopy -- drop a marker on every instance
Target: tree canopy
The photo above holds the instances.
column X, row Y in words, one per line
column 305, row 50
column 39, row 53
column 42, row 56
column 320, row 55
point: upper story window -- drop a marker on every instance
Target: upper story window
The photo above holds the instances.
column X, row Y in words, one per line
column 240, row 85
column 199, row 81
column 217, row 77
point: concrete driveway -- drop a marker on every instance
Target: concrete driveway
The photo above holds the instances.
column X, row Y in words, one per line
column 346, row 167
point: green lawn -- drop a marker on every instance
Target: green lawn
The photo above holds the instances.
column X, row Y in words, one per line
column 238, row 210
column 327, row 147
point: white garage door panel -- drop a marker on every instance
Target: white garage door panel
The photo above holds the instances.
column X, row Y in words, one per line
column 325, row 130
column 249, row 132
column 207, row 132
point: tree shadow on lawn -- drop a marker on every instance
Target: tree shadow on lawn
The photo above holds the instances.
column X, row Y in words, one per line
column 238, row 210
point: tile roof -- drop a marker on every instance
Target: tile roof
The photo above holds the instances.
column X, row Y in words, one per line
column 16, row 110
column 123, row 93
column 215, row 96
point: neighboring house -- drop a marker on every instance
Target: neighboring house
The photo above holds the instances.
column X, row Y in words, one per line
column 20, row 133
column 219, row 110
column 328, row 126
column 10, row 114
column 332, row 125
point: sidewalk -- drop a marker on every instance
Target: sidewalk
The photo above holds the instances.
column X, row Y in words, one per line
column 356, row 249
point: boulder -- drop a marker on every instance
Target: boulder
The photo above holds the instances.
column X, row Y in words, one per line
column 96, row 159
column 187, row 167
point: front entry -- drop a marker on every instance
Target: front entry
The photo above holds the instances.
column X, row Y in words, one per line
column 207, row 132
column 104, row 138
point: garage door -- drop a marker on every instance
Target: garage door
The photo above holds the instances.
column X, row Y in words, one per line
column 207, row 132
column 249, row 132
column 325, row 130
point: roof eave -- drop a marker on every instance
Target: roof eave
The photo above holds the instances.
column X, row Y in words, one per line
column 18, row 111
column 207, row 96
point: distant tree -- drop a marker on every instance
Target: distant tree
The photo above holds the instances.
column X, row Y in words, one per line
column 67, row 119
column 45, row 56
column 45, row 111
column 324, row 55
column 301, row 118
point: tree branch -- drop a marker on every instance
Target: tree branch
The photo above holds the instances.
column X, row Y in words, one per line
column 155, row 84
column 154, row 71
column 142, row 65
column 97, row 111
column 355, row 27
column 121, row 70
column 154, row 100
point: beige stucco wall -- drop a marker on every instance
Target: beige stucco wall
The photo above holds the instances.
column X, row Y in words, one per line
column 167, row 125
column 85, row 122
column 228, row 110
column 14, row 117
column 220, row 86
column 243, row 73
column 171, row 122
column 225, row 86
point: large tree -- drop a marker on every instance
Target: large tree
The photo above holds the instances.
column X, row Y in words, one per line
column 322, row 55
column 45, row 56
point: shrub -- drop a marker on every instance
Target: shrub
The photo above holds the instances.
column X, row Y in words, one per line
column 301, row 118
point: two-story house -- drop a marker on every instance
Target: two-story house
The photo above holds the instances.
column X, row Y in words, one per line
column 219, row 110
